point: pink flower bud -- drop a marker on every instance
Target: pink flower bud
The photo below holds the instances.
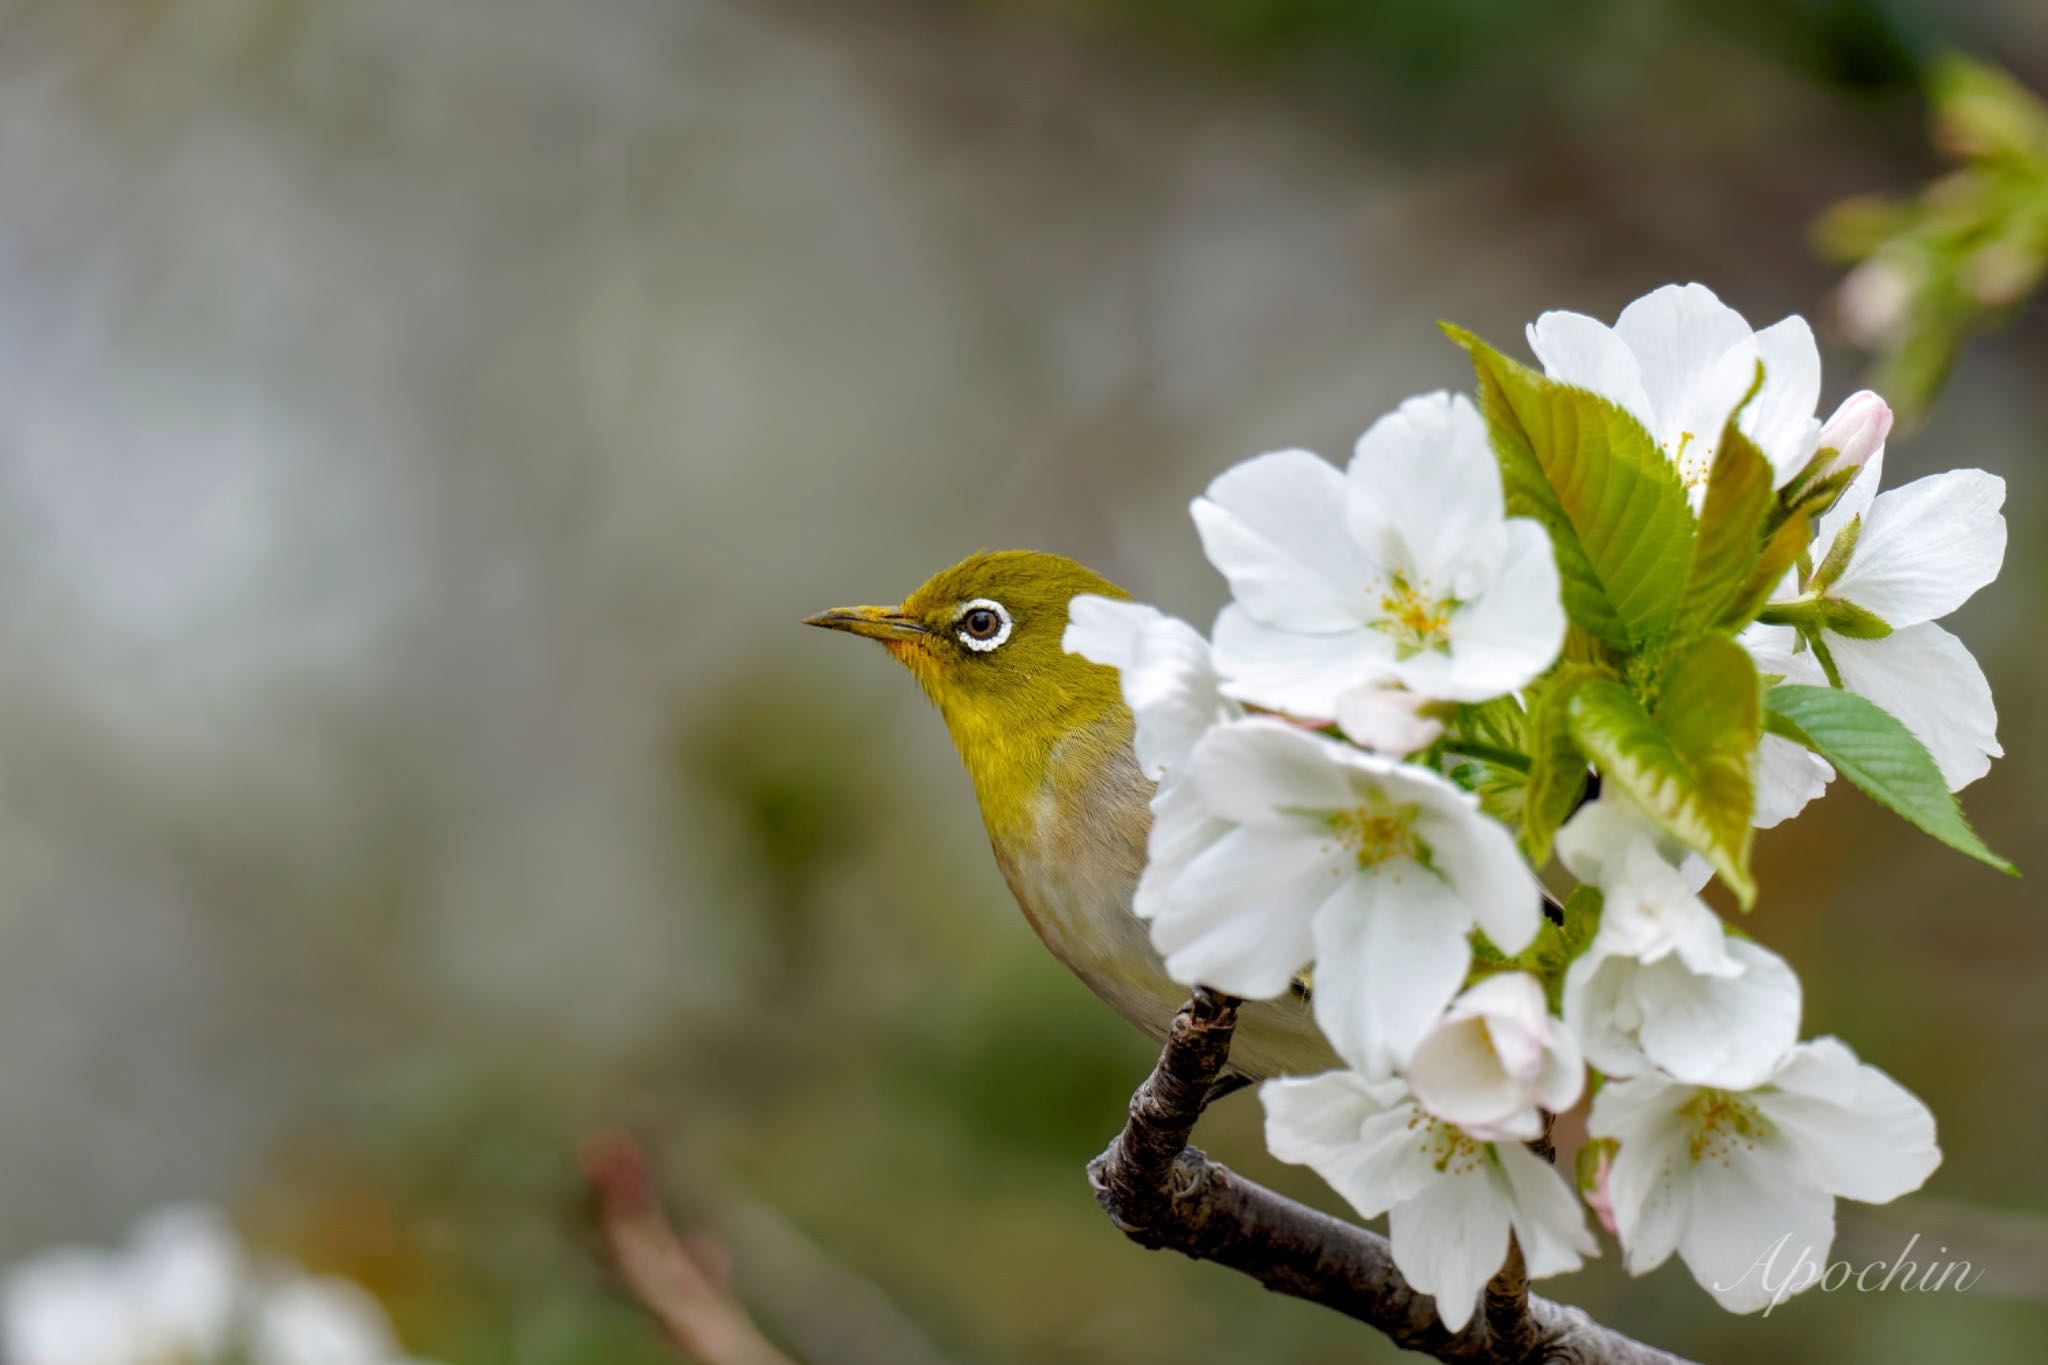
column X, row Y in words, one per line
column 1596, row 1192
column 1387, row 720
column 1857, row 430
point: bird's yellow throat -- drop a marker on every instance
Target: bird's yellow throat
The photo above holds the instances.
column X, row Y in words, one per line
column 998, row 673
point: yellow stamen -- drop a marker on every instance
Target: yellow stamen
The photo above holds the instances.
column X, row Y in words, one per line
column 1694, row 467
column 1722, row 1122
column 1416, row 619
column 1378, row 833
column 1451, row 1149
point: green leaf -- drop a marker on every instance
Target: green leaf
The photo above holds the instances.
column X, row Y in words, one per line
column 1838, row 556
column 1501, row 789
column 1850, row 621
column 1581, row 918
column 1557, row 769
column 1731, row 535
column 1499, row 722
column 1781, row 551
column 1870, row 747
column 1613, row 504
column 1690, row 764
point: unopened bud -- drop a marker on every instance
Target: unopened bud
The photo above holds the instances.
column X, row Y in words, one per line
column 1857, row 431
column 1387, row 720
column 1595, row 1170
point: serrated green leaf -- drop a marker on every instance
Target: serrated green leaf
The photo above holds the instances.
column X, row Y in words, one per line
column 1731, row 536
column 1499, row 722
column 1613, row 504
column 1870, row 747
column 1501, row 790
column 1557, row 769
column 1690, row 765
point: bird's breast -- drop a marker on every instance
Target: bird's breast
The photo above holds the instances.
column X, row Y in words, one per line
column 1073, row 861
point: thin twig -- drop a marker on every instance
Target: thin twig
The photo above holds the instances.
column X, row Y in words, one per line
column 684, row 1294
column 1163, row 1193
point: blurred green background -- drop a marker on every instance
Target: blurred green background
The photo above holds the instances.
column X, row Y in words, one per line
column 423, row 424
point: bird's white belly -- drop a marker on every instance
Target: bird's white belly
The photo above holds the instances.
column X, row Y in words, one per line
column 1074, row 876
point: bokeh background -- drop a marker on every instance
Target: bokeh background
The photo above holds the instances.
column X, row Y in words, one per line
column 423, row 424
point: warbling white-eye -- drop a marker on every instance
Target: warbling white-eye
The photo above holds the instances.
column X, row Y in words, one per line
column 1046, row 737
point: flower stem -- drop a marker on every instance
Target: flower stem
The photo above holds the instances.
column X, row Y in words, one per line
column 1492, row 753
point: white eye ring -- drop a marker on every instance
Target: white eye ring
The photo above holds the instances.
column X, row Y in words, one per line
column 1002, row 631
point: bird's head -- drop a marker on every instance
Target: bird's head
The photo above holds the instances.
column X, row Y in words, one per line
column 983, row 639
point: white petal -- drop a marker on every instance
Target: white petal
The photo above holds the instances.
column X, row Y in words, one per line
column 1171, row 689
column 1514, row 999
column 1855, row 501
column 1780, row 419
column 1386, row 720
column 1424, row 488
column 1924, row 676
column 1598, row 835
column 70, row 1306
column 1750, row 1231
column 1358, row 1135
column 1302, row 675
column 1927, row 547
column 1390, row 953
column 1507, row 634
column 1697, row 358
column 1478, row 855
column 1262, row 769
column 1731, row 1032
column 1776, row 651
column 1863, row 1133
column 185, row 1268
column 1494, row 1056
column 319, row 1321
column 1458, row 1078
column 1651, row 912
column 1601, row 1011
column 1451, row 1238
column 1183, row 828
column 1104, row 630
column 1651, row 1201
column 1788, row 777
column 1274, row 526
column 1587, row 354
column 1549, row 1222
column 1563, row 1078
column 1238, row 918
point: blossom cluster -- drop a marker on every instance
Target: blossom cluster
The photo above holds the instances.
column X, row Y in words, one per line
column 1598, row 626
column 185, row 1290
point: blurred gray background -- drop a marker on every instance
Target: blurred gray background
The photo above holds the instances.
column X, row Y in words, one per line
column 423, row 425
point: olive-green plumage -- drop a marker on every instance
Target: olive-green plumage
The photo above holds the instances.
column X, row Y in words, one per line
column 1046, row 737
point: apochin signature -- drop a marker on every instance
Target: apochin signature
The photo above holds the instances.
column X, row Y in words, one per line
column 1873, row 1277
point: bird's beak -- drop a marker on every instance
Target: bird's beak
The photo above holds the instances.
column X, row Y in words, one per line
column 877, row 623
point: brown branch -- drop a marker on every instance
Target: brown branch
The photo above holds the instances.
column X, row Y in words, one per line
column 683, row 1290
column 1163, row 1193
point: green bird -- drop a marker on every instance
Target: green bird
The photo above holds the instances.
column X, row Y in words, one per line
column 1046, row 737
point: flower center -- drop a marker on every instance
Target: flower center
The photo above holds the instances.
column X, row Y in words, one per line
column 1721, row 1123
column 1695, row 462
column 1377, row 834
column 1451, row 1149
column 1415, row 619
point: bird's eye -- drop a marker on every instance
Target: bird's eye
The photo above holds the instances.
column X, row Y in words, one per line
column 983, row 625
